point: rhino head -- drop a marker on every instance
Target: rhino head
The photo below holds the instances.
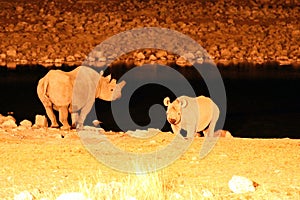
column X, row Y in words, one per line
column 108, row 89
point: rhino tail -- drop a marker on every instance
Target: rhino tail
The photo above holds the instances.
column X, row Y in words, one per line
column 42, row 91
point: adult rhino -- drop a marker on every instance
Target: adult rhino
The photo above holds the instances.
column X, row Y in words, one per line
column 75, row 92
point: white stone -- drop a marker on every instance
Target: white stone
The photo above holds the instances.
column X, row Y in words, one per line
column 10, row 123
column 96, row 122
column 152, row 57
column 152, row 142
column 26, row 123
column 176, row 195
column 207, row 194
column 200, row 60
column 25, row 195
column 161, row 53
column 181, row 61
column 41, row 121
column 240, row 184
column 140, row 56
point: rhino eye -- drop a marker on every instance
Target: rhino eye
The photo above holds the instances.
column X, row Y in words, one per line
column 111, row 90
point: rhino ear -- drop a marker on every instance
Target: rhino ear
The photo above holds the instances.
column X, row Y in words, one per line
column 183, row 103
column 166, row 101
column 101, row 73
column 122, row 84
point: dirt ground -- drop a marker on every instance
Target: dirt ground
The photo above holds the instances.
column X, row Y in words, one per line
column 43, row 162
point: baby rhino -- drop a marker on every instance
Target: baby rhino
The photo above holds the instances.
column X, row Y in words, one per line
column 192, row 115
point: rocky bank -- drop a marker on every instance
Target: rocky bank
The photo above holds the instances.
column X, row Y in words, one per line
column 56, row 32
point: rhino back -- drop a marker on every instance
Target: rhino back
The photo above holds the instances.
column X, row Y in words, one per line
column 205, row 108
column 59, row 88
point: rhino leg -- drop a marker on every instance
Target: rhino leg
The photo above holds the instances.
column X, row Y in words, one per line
column 211, row 128
column 51, row 116
column 74, row 117
column 191, row 131
column 175, row 129
column 63, row 117
column 84, row 112
column 178, row 130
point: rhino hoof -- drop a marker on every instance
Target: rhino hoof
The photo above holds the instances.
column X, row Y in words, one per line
column 73, row 126
column 54, row 126
column 65, row 128
column 79, row 127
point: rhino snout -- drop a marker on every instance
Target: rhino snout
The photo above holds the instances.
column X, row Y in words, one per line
column 172, row 121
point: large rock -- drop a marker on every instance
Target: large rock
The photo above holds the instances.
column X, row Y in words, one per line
column 26, row 123
column 240, row 185
column 41, row 121
column 223, row 133
column 7, row 121
column 10, row 123
column 25, row 195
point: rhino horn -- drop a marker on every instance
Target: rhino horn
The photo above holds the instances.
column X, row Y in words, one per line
column 113, row 81
column 108, row 78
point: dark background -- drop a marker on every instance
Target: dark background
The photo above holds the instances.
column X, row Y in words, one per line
column 262, row 101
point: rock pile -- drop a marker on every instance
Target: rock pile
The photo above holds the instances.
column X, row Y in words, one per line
column 64, row 32
column 9, row 122
column 27, row 130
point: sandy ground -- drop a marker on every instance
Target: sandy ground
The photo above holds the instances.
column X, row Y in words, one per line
column 42, row 162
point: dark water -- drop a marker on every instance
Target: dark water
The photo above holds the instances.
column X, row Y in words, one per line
column 261, row 102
